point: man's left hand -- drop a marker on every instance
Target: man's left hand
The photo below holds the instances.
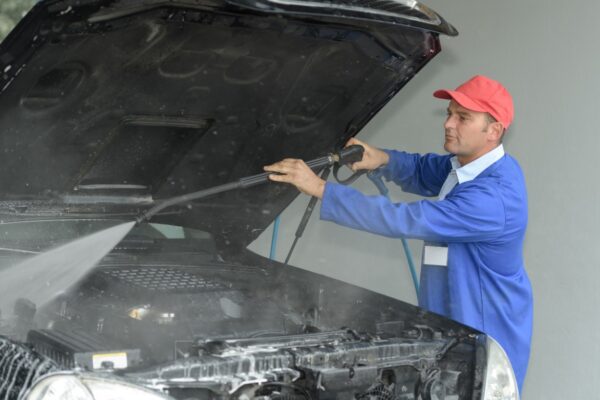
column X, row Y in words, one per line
column 297, row 173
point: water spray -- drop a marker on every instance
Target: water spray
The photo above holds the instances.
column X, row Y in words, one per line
column 42, row 277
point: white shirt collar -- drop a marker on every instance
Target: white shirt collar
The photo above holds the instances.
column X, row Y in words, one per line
column 470, row 171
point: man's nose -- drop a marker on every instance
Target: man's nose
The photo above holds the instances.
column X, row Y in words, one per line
column 450, row 122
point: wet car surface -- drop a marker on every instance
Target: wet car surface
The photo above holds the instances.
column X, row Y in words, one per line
column 109, row 108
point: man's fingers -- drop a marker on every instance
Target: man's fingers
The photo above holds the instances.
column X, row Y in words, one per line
column 297, row 173
column 279, row 178
column 285, row 163
column 282, row 167
column 286, row 170
column 352, row 141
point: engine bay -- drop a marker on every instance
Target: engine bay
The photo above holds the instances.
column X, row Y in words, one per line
column 232, row 332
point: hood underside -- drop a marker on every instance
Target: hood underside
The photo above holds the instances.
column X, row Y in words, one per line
column 136, row 101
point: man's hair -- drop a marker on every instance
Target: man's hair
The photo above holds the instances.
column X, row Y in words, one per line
column 490, row 118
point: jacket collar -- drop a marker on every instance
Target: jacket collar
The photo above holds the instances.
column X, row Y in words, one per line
column 471, row 170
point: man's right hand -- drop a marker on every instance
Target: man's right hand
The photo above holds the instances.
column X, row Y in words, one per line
column 373, row 158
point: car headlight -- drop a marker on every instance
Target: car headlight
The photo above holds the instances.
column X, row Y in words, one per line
column 500, row 382
column 83, row 387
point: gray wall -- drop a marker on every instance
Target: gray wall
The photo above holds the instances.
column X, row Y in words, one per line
column 547, row 55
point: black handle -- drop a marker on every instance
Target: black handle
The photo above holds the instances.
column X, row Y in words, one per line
column 350, row 154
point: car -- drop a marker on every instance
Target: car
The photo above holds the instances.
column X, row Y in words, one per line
column 117, row 284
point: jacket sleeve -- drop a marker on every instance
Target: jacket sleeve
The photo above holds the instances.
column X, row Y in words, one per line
column 473, row 213
column 419, row 174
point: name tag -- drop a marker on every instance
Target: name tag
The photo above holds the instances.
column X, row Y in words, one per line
column 435, row 255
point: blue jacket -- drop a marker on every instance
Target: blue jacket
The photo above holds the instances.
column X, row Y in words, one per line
column 482, row 221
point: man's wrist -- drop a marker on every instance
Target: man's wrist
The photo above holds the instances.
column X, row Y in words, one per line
column 385, row 158
column 320, row 190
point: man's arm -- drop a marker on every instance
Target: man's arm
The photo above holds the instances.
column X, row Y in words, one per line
column 473, row 213
column 414, row 173
column 418, row 174
column 423, row 175
column 297, row 173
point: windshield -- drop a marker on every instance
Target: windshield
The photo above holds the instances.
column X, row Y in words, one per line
column 31, row 237
column 11, row 11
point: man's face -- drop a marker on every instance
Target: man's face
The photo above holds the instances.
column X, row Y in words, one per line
column 467, row 133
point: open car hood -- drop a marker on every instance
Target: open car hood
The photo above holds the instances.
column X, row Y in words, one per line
column 122, row 103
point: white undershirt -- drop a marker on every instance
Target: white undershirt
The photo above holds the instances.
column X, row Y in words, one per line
column 461, row 174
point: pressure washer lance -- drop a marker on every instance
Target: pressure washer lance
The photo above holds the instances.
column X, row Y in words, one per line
column 347, row 155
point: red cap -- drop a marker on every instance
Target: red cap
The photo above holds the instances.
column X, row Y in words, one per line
column 482, row 94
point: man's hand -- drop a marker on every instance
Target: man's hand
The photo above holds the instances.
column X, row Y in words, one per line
column 373, row 158
column 297, row 173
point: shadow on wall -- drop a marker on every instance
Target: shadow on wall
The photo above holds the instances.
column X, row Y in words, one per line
column 11, row 12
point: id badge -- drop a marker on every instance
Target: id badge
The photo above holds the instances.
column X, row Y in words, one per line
column 435, row 254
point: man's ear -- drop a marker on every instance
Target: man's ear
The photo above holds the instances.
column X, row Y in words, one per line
column 495, row 131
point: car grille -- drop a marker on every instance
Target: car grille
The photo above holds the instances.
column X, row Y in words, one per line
column 162, row 278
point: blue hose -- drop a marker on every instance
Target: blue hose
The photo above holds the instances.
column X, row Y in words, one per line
column 274, row 238
column 376, row 177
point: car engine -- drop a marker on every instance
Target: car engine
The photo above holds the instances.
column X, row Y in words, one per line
column 143, row 324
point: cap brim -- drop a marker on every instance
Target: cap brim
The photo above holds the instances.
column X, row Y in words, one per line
column 461, row 99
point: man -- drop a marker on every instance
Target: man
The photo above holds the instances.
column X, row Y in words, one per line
column 472, row 268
